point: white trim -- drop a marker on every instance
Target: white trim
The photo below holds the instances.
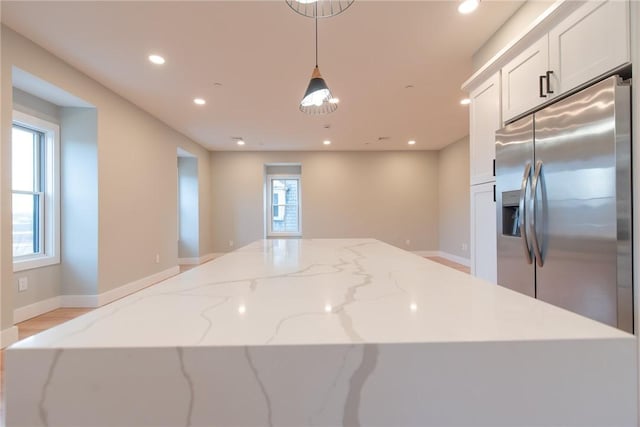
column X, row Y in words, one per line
column 199, row 260
column 88, row 301
column 426, row 253
column 119, row 292
column 21, row 314
column 8, row 336
column 92, row 301
column 455, row 258
column 129, row 288
column 51, row 202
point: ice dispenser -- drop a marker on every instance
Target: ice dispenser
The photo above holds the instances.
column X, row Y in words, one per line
column 511, row 213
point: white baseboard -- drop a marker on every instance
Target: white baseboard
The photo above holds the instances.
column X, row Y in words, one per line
column 426, row 253
column 87, row 301
column 455, row 258
column 129, row 288
column 36, row 309
column 90, row 301
column 199, row 260
column 8, row 336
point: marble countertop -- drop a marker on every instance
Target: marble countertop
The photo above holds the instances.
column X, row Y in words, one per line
column 319, row 291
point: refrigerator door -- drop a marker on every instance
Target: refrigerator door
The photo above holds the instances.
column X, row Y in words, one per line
column 514, row 161
column 581, row 204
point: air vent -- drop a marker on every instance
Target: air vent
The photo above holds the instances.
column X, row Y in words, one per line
column 383, row 138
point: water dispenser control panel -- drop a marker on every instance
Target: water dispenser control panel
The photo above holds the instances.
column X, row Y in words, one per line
column 511, row 213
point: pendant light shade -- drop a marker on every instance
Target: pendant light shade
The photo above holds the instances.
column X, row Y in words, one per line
column 319, row 8
column 317, row 99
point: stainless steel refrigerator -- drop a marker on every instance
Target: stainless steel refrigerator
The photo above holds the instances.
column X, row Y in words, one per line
column 563, row 199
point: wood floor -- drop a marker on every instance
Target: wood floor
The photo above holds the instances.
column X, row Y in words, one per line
column 54, row 318
column 451, row 264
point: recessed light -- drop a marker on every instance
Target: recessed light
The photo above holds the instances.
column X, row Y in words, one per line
column 468, row 6
column 334, row 100
column 328, row 308
column 199, row 101
column 240, row 142
column 156, row 59
column 412, row 142
column 465, row 101
column 242, row 309
column 326, row 142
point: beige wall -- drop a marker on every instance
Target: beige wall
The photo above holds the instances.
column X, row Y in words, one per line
column 453, row 198
column 511, row 29
column 137, row 183
column 391, row 196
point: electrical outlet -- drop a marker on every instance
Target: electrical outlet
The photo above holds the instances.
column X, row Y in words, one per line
column 408, row 242
column 465, row 247
column 23, row 284
column 157, row 258
column 231, row 243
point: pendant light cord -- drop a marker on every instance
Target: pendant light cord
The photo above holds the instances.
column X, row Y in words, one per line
column 316, row 13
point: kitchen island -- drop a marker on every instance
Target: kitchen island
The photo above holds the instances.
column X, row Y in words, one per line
column 324, row 332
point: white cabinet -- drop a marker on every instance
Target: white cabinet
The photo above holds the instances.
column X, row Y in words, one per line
column 590, row 42
column 484, row 120
column 483, row 232
column 524, row 79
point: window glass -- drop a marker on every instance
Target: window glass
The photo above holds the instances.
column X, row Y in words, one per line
column 285, row 214
column 25, row 213
column 24, row 144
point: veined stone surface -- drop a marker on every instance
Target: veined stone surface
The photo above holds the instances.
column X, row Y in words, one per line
column 324, row 332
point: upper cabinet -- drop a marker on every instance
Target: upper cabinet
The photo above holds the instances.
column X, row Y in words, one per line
column 484, row 120
column 524, row 79
column 590, row 42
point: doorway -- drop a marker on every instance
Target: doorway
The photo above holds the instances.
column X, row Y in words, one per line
column 188, row 208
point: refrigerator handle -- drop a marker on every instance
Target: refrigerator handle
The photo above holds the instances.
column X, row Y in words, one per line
column 534, row 192
column 523, row 212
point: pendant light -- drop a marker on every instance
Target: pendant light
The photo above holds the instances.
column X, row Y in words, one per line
column 317, row 98
column 319, row 8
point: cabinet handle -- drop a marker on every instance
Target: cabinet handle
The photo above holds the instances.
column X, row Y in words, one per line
column 549, row 81
column 494, row 167
column 494, row 192
column 542, row 95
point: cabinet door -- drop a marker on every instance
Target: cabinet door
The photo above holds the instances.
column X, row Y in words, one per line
column 484, row 120
column 590, row 42
column 483, row 232
column 521, row 80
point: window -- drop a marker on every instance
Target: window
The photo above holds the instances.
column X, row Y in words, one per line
column 34, row 185
column 283, row 216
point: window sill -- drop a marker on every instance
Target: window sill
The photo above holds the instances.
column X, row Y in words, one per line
column 35, row 262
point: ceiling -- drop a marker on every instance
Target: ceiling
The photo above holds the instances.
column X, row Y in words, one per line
column 252, row 60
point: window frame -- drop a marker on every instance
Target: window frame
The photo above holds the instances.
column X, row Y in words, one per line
column 49, row 218
column 269, row 213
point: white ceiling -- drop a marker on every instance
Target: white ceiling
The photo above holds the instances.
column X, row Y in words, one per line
column 261, row 53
